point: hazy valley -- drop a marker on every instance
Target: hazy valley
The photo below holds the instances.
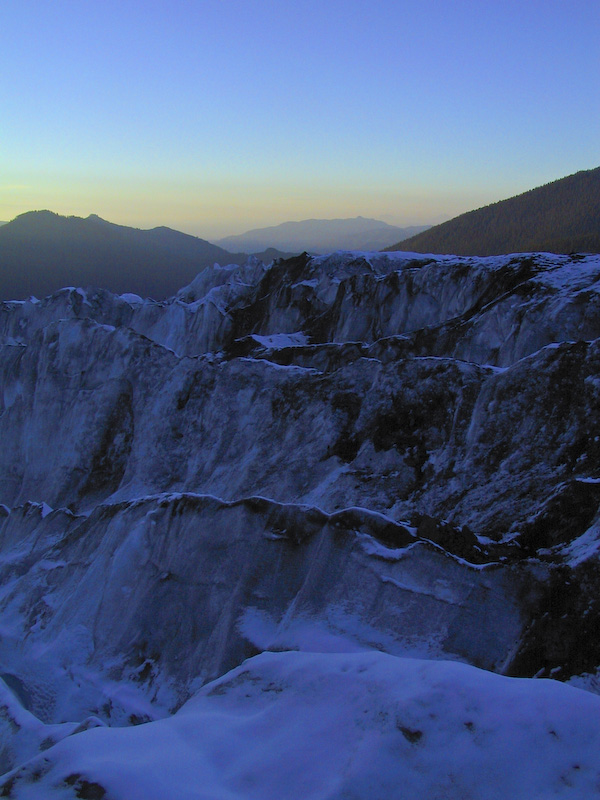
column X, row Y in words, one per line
column 318, row 236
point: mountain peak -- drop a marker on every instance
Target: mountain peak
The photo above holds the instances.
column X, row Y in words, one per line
column 37, row 214
column 41, row 251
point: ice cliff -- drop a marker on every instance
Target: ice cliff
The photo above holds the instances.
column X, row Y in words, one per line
column 348, row 456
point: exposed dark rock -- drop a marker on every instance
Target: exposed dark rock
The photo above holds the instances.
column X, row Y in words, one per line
column 562, row 638
column 565, row 515
column 461, row 541
column 87, row 790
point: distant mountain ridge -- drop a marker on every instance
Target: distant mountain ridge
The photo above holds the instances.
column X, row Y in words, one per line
column 322, row 236
column 559, row 217
column 41, row 251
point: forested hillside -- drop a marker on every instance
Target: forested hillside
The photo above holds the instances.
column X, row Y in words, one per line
column 560, row 217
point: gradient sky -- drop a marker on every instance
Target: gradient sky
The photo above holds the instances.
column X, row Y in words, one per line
column 215, row 116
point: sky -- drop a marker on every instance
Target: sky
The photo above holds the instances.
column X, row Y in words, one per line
column 217, row 116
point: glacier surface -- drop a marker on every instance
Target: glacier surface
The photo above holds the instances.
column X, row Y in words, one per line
column 248, row 534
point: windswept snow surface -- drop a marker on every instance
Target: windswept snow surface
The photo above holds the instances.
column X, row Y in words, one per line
column 306, row 726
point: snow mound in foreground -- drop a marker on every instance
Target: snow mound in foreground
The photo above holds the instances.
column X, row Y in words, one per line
column 364, row 725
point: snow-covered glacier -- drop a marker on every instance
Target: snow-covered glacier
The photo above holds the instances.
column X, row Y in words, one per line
column 249, row 533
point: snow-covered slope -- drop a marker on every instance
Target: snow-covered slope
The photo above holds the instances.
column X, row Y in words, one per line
column 308, row 726
column 341, row 454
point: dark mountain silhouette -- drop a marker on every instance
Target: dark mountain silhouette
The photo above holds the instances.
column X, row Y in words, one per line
column 322, row 236
column 41, row 251
column 559, row 217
